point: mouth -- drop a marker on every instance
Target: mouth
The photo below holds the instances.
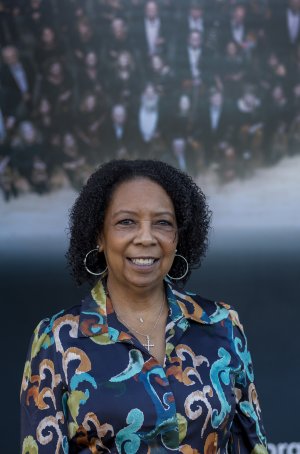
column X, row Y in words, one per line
column 143, row 261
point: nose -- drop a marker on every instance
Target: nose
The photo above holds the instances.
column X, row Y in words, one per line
column 144, row 234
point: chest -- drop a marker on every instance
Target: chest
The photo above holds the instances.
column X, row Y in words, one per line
column 154, row 342
column 128, row 392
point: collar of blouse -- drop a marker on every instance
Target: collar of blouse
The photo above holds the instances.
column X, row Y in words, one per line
column 98, row 321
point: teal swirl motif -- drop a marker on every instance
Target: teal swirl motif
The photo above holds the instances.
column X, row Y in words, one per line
column 220, row 313
column 183, row 324
column 83, row 377
column 135, row 365
column 166, row 422
column 167, row 430
column 245, row 357
column 97, row 329
column 220, row 372
column 113, row 333
column 48, row 330
column 248, row 409
column 128, row 436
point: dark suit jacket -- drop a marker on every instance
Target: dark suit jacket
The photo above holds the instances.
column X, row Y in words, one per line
column 8, row 28
column 13, row 94
column 183, row 29
column 209, row 136
column 140, row 39
column 112, row 144
column 279, row 32
column 227, row 34
column 183, row 65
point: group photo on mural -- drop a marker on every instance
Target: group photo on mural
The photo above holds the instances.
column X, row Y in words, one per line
column 115, row 115
column 208, row 86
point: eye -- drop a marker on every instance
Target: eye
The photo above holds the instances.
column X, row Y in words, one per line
column 164, row 222
column 126, row 222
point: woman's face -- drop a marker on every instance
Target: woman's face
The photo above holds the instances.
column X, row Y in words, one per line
column 45, row 106
column 48, row 36
column 231, row 49
column 91, row 59
column 69, row 141
column 89, row 103
column 27, row 132
column 118, row 28
column 157, row 63
column 139, row 235
column 124, row 60
column 55, row 69
column 184, row 103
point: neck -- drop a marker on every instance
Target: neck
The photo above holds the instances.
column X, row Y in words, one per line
column 127, row 300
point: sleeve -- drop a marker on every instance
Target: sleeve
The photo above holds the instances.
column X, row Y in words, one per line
column 43, row 419
column 247, row 431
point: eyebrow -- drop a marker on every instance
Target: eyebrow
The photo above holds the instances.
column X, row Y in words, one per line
column 158, row 213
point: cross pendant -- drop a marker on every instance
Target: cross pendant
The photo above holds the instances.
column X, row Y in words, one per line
column 148, row 345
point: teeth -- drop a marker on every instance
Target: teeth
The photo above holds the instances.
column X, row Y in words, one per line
column 143, row 261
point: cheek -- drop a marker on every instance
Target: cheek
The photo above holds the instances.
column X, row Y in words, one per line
column 116, row 246
column 172, row 241
column 169, row 247
column 111, row 235
column 116, row 242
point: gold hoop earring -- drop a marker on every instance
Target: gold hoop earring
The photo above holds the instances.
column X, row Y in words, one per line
column 86, row 267
column 186, row 271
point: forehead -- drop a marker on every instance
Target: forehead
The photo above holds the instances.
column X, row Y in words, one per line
column 140, row 195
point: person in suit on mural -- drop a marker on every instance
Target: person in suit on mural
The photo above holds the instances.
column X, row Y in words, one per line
column 117, row 40
column 140, row 366
column 192, row 19
column 286, row 19
column 214, row 124
column 118, row 133
column 17, row 76
column 190, row 59
column 149, row 115
column 151, row 32
column 9, row 11
column 236, row 28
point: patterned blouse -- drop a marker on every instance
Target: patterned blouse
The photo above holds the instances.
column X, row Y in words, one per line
column 90, row 386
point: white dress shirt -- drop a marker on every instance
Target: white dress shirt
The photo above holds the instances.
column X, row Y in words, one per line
column 293, row 22
column 152, row 29
column 148, row 120
column 215, row 113
column 238, row 33
column 119, row 131
column 194, row 58
column 19, row 75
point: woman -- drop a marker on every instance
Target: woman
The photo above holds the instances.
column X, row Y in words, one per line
column 140, row 366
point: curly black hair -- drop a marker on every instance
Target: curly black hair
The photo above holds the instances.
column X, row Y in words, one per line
column 88, row 212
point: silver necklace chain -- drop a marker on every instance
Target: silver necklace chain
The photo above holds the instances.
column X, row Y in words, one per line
column 148, row 345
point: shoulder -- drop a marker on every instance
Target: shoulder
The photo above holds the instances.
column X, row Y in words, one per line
column 47, row 332
column 70, row 313
column 225, row 322
column 52, row 341
column 204, row 310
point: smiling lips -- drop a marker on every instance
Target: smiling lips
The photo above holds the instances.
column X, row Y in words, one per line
column 143, row 261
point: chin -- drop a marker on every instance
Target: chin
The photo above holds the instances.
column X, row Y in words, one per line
column 143, row 282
